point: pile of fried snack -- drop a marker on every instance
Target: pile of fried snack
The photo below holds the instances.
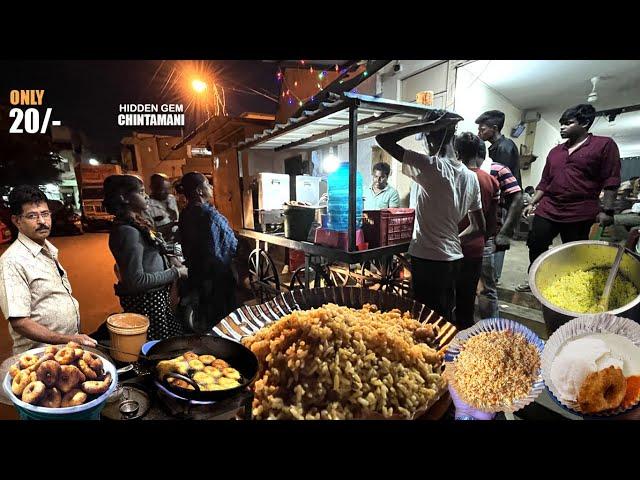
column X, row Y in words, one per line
column 494, row 369
column 208, row 372
column 337, row 362
column 59, row 377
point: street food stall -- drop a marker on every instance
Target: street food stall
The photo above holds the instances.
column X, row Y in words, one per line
column 344, row 352
column 345, row 118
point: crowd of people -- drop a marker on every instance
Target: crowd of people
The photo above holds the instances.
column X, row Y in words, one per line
column 190, row 264
column 166, row 261
column 169, row 261
column 465, row 217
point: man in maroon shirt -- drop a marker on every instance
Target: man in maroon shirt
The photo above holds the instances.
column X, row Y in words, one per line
column 566, row 201
column 466, row 146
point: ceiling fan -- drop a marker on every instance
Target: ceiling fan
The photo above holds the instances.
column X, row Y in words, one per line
column 593, row 96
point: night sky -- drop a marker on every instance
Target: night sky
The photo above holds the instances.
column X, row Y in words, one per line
column 85, row 95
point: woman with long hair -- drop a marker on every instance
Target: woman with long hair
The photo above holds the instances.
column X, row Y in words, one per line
column 208, row 246
column 145, row 274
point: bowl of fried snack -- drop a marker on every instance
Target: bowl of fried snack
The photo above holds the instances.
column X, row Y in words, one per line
column 63, row 382
column 335, row 362
column 495, row 365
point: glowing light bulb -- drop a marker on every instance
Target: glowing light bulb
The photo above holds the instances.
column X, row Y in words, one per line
column 198, row 85
column 330, row 163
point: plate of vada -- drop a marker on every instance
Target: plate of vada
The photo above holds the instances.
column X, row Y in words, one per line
column 591, row 365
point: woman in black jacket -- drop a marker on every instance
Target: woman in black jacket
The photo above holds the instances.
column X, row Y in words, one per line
column 208, row 246
column 144, row 272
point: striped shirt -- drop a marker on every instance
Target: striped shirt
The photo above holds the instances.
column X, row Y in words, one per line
column 508, row 183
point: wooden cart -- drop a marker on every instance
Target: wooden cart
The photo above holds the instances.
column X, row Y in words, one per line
column 344, row 118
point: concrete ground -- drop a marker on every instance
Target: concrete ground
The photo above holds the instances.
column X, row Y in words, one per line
column 516, row 263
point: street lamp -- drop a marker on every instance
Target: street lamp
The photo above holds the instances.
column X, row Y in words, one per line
column 198, row 85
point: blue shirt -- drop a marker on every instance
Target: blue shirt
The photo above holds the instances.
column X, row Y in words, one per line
column 207, row 239
column 387, row 198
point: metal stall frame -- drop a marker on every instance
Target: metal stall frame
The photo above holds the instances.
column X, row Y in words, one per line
column 347, row 117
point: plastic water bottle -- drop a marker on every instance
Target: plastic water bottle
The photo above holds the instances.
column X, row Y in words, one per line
column 338, row 204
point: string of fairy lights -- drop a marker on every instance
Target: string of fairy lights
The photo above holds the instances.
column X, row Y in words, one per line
column 197, row 83
column 291, row 87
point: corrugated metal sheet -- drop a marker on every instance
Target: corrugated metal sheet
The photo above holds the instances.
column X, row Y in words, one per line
column 334, row 115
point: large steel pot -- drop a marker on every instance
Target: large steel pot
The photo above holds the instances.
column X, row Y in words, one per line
column 581, row 255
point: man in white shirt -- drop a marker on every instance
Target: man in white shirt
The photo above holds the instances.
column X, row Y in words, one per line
column 447, row 192
column 35, row 293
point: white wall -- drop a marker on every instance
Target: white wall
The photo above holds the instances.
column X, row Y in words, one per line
column 473, row 97
column 391, row 82
column 547, row 137
column 629, row 150
column 364, row 158
column 270, row 161
column 392, row 88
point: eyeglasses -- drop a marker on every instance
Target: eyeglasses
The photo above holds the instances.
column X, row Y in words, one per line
column 34, row 216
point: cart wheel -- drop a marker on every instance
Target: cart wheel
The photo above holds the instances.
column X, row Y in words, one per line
column 391, row 275
column 319, row 277
column 265, row 282
column 341, row 275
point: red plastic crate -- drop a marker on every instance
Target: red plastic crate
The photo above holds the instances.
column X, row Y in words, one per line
column 388, row 226
column 296, row 259
column 335, row 239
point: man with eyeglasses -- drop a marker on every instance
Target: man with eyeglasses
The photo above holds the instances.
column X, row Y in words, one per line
column 35, row 293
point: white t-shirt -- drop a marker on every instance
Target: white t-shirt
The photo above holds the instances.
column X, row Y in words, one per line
column 447, row 191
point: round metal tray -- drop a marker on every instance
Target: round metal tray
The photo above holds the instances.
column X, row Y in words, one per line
column 247, row 320
column 126, row 394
